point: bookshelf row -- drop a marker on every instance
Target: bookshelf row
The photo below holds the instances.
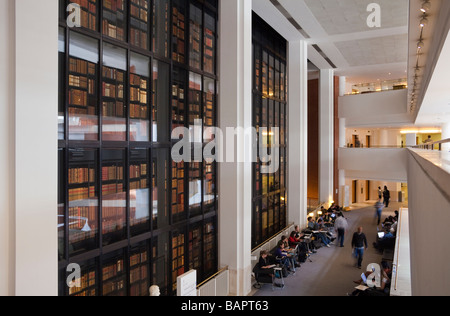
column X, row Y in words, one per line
column 149, row 22
column 135, row 268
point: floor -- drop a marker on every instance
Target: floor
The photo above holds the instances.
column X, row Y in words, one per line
column 333, row 270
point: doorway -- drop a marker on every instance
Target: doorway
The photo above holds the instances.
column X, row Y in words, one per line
column 354, row 191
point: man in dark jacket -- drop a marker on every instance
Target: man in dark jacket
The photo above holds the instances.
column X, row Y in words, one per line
column 386, row 196
column 359, row 242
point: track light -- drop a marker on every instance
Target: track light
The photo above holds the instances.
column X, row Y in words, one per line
column 426, row 6
column 420, row 44
column 423, row 22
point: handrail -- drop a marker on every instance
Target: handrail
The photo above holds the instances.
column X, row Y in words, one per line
column 431, row 144
column 212, row 277
column 270, row 239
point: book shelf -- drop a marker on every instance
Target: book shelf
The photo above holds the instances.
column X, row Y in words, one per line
column 195, row 248
column 128, row 77
column 139, row 26
column 179, row 31
column 82, row 100
column 178, row 265
column 114, row 19
column 195, row 37
column 209, row 47
column 178, row 98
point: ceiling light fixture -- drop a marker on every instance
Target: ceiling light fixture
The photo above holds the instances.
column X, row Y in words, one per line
column 420, row 44
column 423, row 21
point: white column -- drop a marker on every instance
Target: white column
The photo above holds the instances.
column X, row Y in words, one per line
column 326, row 135
column 298, row 132
column 342, row 85
column 446, row 135
column 411, row 140
column 36, row 147
column 235, row 110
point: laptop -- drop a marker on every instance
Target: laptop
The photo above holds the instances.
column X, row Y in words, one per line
column 364, row 278
column 380, row 235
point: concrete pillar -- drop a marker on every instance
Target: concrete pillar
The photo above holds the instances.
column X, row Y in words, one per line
column 298, row 133
column 411, row 140
column 326, row 135
column 235, row 110
column 342, row 85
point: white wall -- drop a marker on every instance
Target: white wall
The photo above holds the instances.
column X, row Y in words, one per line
column 429, row 215
column 6, row 148
column 28, row 147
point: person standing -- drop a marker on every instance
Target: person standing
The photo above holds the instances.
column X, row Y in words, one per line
column 380, row 193
column 386, row 196
column 378, row 210
column 359, row 243
column 341, row 226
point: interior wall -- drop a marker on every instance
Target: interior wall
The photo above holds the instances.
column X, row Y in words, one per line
column 313, row 139
column 429, row 216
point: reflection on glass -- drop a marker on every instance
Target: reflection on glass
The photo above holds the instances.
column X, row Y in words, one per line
column 160, row 262
column 139, row 99
column 209, row 50
column 114, row 19
column 61, row 207
column 160, row 29
column 195, row 37
column 139, row 270
column 209, row 183
column 83, row 201
column 195, row 106
column 139, row 192
column 87, row 281
column 160, row 176
column 139, row 19
column 113, row 99
column 160, row 104
column 114, row 196
column 178, row 240
column 82, row 90
column 113, row 275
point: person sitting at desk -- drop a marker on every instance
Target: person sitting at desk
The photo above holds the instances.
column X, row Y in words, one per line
column 386, row 241
column 383, row 290
column 290, row 251
column 283, row 256
column 265, row 265
column 313, row 226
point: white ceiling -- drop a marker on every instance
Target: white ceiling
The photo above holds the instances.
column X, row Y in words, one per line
column 339, row 28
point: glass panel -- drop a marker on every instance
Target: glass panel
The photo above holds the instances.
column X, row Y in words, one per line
column 61, row 207
column 195, row 92
column 160, row 104
column 271, row 216
column 161, row 189
column 195, row 188
column 195, row 249
column 179, row 30
column 178, row 245
column 283, row 82
column 82, row 90
column 264, row 219
column 139, row 191
column 61, row 83
column 83, row 201
column 114, row 19
column 178, row 189
column 277, row 78
column 88, row 17
column 139, row 26
column 113, row 99
column 265, row 74
column 139, row 98
column 88, row 280
column 209, row 104
column 139, row 270
column 114, row 275
column 283, row 220
column 209, row 186
column 195, row 37
column 178, row 98
column 282, row 124
column 160, row 29
column 160, row 262
column 210, row 254
column 256, row 234
column 276, row 206
column 257, row 66
column 114, row 221
column 209, row 50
